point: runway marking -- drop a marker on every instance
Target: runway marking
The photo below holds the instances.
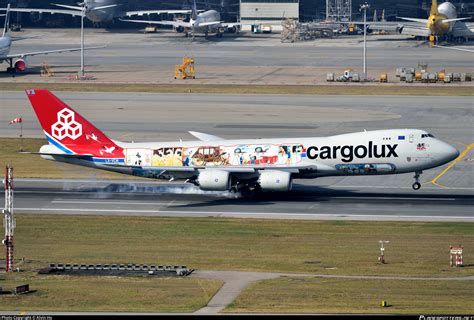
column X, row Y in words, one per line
column 393, row 198
column 459, row 158
column 134, row 203
column 267, row 215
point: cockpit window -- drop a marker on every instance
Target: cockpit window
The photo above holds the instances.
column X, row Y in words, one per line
column 426, row 135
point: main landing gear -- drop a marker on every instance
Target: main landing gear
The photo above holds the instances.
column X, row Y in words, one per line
column 11, row 69
column 417, row 184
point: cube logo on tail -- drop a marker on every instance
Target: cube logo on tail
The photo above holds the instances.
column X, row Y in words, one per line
column 66, row 126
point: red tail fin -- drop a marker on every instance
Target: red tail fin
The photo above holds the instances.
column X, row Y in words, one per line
column 67, row 129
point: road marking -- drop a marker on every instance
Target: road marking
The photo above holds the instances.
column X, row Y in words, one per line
column 267, row 215
column 459, row 158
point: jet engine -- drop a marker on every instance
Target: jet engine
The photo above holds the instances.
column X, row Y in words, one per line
column 275, row 180
column 180, row 29
column 20, row 65
column 214, row 180
column 232, row 29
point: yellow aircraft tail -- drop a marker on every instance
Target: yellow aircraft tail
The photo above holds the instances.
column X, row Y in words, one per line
column 434, row 8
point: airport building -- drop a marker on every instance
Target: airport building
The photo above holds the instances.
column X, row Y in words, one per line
column 254, row 13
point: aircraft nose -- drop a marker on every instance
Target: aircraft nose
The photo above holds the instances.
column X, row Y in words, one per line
column 449, row 152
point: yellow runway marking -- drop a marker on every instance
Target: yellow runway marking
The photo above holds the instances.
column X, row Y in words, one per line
column 461, row 155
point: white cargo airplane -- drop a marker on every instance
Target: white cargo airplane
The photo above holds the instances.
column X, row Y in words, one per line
column 246, row 165
column 205, row 22
column 20, row 63
column 97, row 10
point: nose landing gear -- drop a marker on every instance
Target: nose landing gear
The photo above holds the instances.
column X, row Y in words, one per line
column 417, row 185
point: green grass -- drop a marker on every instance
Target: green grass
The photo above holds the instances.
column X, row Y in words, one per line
column 316, row 295
column 343, row 89
column 325, row 247
column 322, row 247
column 131, row 294
column 33, row 166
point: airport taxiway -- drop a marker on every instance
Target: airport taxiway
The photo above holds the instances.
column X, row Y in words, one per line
column 132, row 56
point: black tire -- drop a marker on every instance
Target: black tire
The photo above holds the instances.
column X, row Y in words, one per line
column 416, row 186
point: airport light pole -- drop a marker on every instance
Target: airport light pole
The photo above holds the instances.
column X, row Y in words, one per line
column 364, row 7
column 82, row 41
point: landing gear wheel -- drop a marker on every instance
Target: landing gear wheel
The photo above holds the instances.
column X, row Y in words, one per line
column 417, row 184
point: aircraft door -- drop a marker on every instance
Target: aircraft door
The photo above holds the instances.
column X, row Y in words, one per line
column 411, row 138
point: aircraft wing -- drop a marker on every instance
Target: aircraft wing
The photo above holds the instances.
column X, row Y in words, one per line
column 241, row 170
column 23, row 55
column 65, row 155
column 408, row 28
column 164, row 23
column 424, row 21
column 463, row 29
column 51, row 11
column 415, row 30
column 204, row 136
column 148, row 12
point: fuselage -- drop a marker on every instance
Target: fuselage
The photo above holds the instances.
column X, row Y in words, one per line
column 5, row 44
column 206, row 17
column 363, row 153
column 95, row 13
column 213, row 163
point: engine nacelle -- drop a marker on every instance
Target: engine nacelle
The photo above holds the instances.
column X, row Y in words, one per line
column 214, row 180
column 180, row 29
column 275, row 180
column 20, row 65
column 232, row 29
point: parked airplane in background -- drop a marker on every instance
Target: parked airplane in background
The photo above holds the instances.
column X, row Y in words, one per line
column 246, row 165
column 205, row 22
column 441, row 23
column 98, row 10
column 20, row 63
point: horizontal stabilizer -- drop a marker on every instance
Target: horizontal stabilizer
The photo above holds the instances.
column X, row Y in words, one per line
column 414, row 19
column 455, row 19
column 67, row 7
column 66, row 155
column 105, row 7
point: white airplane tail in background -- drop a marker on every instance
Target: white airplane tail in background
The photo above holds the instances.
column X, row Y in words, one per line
column 7, row 18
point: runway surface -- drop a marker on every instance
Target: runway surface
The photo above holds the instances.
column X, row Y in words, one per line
column 139, row 198
column 130, row 47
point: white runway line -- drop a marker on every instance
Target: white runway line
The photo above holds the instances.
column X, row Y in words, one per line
column 132, row 203
column 266, row 215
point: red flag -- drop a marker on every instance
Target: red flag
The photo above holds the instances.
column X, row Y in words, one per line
column 16, row 120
